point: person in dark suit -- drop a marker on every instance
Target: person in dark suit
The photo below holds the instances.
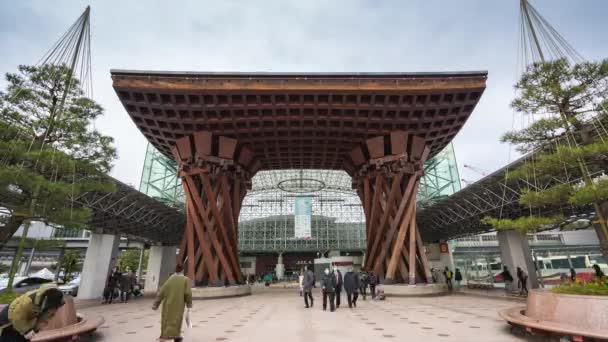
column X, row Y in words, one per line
column 339, row 281
column 351, row 286
column 328, row 285
column 307, row 285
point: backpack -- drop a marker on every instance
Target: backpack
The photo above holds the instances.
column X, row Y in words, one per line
column 449, row 274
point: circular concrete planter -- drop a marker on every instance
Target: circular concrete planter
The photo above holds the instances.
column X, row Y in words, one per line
column 66, row 324
column 220, row 292
column 420, row 290
column 566, row 314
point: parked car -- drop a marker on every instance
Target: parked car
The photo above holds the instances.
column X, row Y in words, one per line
column 24, row 284
column 71, row 288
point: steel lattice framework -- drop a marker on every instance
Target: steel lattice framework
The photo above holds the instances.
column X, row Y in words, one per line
column 495, row 195
column 129, row 212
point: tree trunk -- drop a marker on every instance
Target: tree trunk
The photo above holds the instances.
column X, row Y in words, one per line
column 10, row 228
column 17, row 259
column 586, row 135
column 600, row 232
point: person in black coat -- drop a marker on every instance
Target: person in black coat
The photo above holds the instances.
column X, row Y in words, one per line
column 339, row 284
column 458, row 278
column 328, row 285
column 351, row 286
column 572, row 275
column 507, row 277
column 373, row 281
column 112, row 283
column 308, row 284
column 363, row 282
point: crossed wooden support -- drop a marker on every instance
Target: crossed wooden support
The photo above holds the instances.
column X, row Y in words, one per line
column 387, row 172
column 215, row 173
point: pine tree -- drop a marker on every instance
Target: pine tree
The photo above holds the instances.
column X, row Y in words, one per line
column 49, row 151
column 570, row 141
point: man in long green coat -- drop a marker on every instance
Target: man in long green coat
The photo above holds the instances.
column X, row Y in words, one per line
column 175, row 294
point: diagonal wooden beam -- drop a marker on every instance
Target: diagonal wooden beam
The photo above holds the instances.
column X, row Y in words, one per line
column 228, row 212
column 371, row 220
column 395, row 189
column 413, row 248
column 195, row 216
column 423, row 257
column 195, row 198
column 406, row 197
column 405, row 225
column 190, row 245
column 212, row 200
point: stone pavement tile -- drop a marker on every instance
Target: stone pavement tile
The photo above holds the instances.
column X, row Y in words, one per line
column 280, row 316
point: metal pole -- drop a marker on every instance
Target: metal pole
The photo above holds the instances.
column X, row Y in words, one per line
column 59, row 261
column 141, row 259
column 490, row 274
column 29, row 260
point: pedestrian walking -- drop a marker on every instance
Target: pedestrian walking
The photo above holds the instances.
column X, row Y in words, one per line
column 328, row 286
column 308, row 284
column 339, row 284
column 21, row 320
column 507, row 277
column 373, row 281
column 447, row 273
column 127, row 282
column 599, row 274
column 112, row 283
column 572, row 275
column 363, row 283
column 522, row 281
column 458, row 278
column 175, row 295
column 351, row 286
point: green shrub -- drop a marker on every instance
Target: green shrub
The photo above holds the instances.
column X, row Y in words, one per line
column 7, row 297
column 587, row 289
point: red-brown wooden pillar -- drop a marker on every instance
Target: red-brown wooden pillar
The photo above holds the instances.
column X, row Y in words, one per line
column 215, row 173
column 387, row 173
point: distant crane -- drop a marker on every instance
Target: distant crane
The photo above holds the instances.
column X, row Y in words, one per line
column 477, row 170
column 466, row 182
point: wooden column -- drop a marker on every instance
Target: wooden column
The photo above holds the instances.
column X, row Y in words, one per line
column 215, row 173
column 387, row 172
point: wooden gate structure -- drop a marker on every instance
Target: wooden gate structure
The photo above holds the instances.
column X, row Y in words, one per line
column 221, row 128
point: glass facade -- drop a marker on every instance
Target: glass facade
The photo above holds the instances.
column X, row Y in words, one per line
column 441, row 178
column 159, row 179
column 266, row 221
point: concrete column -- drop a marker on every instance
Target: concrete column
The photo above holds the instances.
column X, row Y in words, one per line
column 99, row 260
column 515, row 252
column 161, row 264
column 280, row 269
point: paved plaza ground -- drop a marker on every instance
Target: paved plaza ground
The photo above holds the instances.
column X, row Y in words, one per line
column 279, row 315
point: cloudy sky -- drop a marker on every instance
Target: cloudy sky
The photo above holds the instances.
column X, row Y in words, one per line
column 303, row 36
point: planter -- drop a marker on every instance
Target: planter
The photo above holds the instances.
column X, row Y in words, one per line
column 562, row 314
column 420, row 290
column 66, row 325
column 220, row 292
